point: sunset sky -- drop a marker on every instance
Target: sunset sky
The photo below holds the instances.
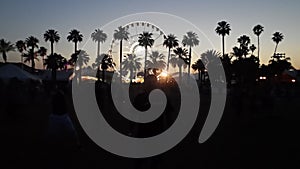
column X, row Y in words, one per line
column 21, row 19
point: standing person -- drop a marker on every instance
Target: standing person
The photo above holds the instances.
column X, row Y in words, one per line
column 61, row 136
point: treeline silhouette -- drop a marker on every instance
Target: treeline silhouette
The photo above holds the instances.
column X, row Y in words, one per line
column 258, row 129
column 242, row 63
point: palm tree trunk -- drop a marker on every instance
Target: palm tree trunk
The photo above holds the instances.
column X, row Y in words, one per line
column 32, row 65
column 22, row 60
column 223, row 44
column 52, row 48
column 180, row 74
column 145, row 63
column 275, row 49
column 258, row 49
column 75, row 47
column 131, row 75
column 32, row 59
column 190, row 58
column 98, row 50
column 168, row 59
column 51, row 44
column 4, row 56
column 121, row 42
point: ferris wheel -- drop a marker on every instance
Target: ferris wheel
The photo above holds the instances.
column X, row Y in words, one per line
column 131, row 46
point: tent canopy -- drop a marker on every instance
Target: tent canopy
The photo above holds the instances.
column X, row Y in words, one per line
column 10, row 71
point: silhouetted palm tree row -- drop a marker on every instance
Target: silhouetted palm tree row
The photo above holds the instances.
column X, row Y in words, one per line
column 245, row 69
column 30, row 50
column 224, row 29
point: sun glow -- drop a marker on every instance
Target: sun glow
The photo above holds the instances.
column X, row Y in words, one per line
column 163, row 74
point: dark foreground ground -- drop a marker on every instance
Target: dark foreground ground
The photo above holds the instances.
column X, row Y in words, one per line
column 258, row 130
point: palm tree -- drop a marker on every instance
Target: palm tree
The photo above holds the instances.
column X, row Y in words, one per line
column 210, row 57
column 252, row 48
column 53, row 62
column 75, row 36
column 245, row 69
column 170, row 42
column 156, row 60
column 277, row 37
column 72, row 61
column 6, row 46
column 51, row 36
column 43, row 52
column 132, row 63
column 199, row 66
column 211, row 60
column 258, row 29
column 237, row 52
column 32, row 42
column 98, row 60
column 83, row 59
column 179, row 61
column 79, row 58
column 223, row 29
column 100, row 37
column 121, row 34
column 28, row 57
column 62, row 63
column 190, row 39
column 145, row 40
column 227, row 65
column 244, row 41
column 21, row 46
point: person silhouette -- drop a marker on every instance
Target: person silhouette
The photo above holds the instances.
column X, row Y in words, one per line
column 60, row 127
column 61, row 137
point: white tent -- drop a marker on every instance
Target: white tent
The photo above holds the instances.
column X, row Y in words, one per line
column 10, row 71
